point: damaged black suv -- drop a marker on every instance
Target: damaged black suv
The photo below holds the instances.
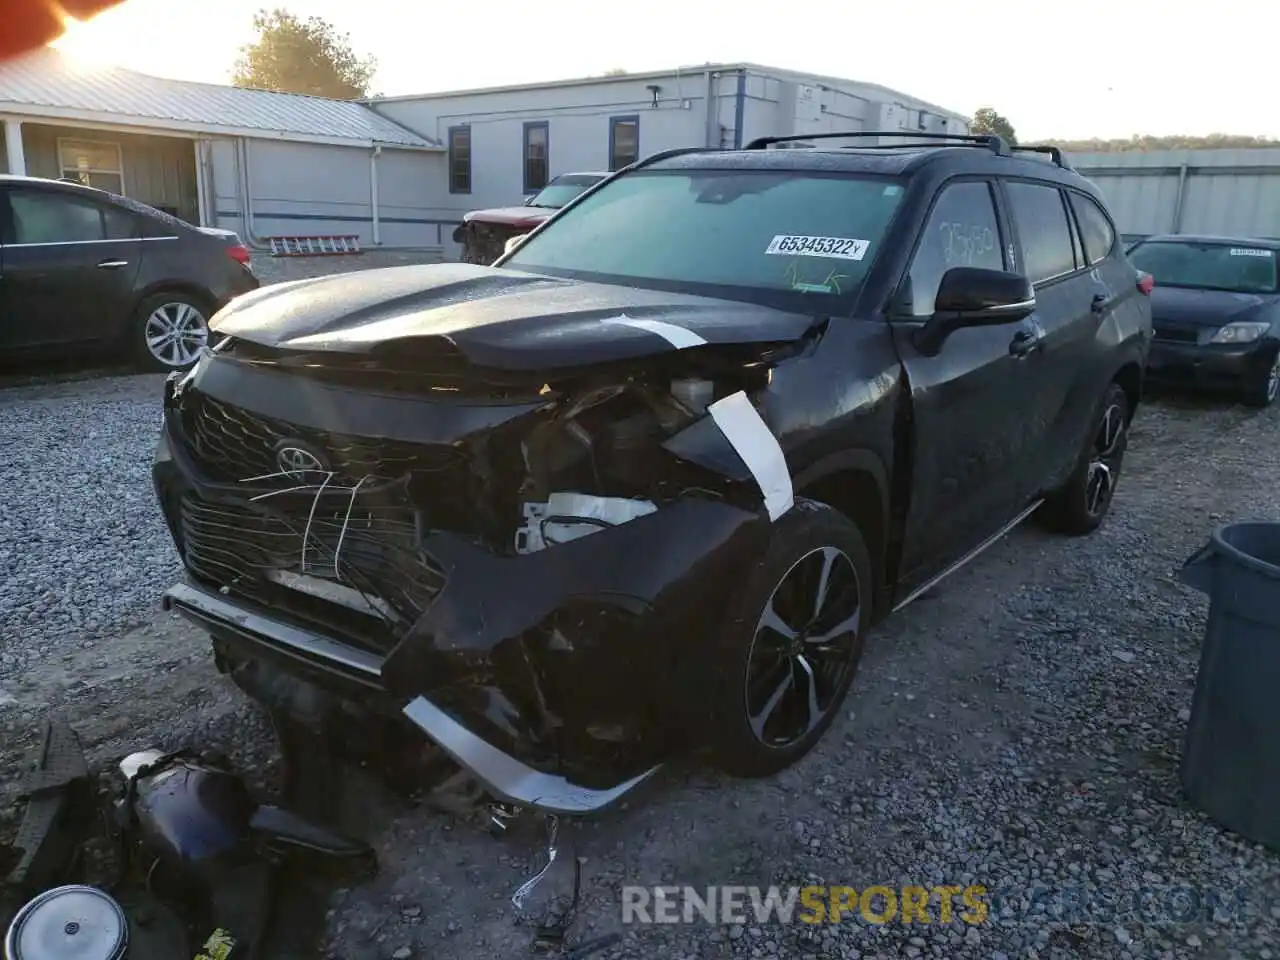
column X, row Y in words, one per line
column 647, row 481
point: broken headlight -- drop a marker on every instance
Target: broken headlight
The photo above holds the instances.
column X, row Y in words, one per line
column 568, row 516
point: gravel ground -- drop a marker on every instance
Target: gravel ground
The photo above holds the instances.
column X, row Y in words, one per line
column 1018, row 728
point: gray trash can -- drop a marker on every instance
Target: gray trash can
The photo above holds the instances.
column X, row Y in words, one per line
column 1231, row 756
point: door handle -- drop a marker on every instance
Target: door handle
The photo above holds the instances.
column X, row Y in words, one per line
column 112, row 264
column 1024, row 342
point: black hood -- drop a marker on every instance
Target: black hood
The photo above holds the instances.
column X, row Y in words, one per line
column 1208, row 308
column 504, row 319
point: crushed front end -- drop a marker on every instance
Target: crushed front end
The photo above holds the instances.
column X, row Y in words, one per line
column 529, row 573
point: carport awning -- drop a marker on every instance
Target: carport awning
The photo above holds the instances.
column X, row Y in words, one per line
column 43, row 85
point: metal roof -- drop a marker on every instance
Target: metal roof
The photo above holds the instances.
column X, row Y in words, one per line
column 47, row 84
column 757, row 69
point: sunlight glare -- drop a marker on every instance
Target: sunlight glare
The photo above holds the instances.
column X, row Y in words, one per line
column 83, row 45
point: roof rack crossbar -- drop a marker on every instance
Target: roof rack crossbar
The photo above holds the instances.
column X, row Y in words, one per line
column 1054, row 153
column 995, row 144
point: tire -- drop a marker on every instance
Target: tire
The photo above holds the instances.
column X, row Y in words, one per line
column 1084, row 501
column 1265, row 390
column 181, row 316
column 809, row 538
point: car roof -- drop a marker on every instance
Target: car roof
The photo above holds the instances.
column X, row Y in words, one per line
column 581, row 173
column 1259, row 242
column 68, row 185
column 891, row 161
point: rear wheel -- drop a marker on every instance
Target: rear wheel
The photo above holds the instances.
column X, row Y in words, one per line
column 1083, row 502
column 170, row 330
column 1264, row 391
column 792, row 643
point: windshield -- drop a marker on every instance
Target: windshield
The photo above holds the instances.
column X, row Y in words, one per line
column 799, row 240
column 1237, row 268
column 562, row 189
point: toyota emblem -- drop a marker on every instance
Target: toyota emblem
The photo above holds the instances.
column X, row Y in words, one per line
column 297, row 461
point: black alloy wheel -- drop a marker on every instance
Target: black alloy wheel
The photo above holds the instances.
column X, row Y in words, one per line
column 790, row 648
column 1083, row 502
column 801, row 649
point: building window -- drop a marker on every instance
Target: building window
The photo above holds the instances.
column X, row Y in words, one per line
column 624, row 141
column 95, row 163
column 459, row 159
column 535, row 156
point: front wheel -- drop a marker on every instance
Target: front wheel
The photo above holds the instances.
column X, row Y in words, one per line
column 1264, row 391
column 169, row 331
column 792, row 642
column 1083, row 502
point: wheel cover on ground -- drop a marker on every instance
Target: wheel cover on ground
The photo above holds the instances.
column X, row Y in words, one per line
column 1104, row 463
column 803, row 647
column 175, row 333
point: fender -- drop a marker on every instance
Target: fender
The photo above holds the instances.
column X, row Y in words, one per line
column 843, row 462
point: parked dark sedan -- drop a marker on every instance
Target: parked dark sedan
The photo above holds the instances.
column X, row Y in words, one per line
column 1216, row 313
column 82, row 268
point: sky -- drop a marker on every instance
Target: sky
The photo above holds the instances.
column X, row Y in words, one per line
column 1091, row 68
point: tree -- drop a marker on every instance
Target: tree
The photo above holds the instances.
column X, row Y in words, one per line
column 302, row 56
column 986, row 120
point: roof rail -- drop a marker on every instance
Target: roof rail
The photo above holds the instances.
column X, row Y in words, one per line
column 667, row 155
column 1055, row 153
column 995, row 144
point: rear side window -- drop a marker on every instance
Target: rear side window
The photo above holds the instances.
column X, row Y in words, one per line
column 1095, row 229
column 40, row 217
column 1047, row 249
column 120, row 224
column 962, row 232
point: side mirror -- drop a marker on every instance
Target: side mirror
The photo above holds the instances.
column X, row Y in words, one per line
column 974, row 297
column 514, row 242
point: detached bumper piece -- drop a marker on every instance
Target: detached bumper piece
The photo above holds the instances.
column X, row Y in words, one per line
column 506, row 777
column 59, row 815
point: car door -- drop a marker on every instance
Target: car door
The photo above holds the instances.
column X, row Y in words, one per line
column 1072, row 300
column 969, row 438
column 69, row 264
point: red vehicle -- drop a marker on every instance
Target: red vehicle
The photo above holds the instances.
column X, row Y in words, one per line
column 484, row 233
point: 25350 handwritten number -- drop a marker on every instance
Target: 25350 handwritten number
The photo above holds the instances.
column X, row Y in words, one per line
column 963, row 243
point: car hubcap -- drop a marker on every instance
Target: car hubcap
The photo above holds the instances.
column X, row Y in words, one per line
column 1273, row 380
column 175, row 333
column 802, row 649
column 1105, row 463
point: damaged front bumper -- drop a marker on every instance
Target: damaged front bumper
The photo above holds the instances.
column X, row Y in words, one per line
column 560, row 678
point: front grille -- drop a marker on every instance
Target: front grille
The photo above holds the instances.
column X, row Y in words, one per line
column 1177, row 334
column 374, row 550
column 234, row 444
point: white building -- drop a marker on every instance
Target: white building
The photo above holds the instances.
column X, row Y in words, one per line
column 504, row 142
column 398, row 171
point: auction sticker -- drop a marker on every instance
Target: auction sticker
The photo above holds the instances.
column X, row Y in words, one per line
column 1249, row 252
column 839, row 248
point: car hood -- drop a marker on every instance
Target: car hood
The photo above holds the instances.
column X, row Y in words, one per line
column 510, row 216
column 1206, row 308
column 503, row 319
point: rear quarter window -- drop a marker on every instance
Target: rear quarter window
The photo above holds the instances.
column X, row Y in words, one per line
column 1095, row 228
column 1043, row 228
